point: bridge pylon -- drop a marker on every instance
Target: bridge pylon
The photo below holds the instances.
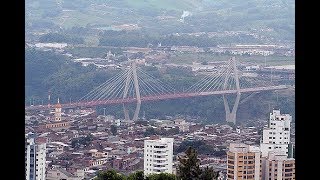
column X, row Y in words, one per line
column 231, row 115
column 132, row 74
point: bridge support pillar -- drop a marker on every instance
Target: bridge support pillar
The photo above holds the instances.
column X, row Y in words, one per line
column 231, row 115
column 132, row 73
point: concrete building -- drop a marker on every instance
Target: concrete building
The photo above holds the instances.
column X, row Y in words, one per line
column 277, row 166
column 243, row 162
column 158, row 156
column 277, row 135
column 35, row 157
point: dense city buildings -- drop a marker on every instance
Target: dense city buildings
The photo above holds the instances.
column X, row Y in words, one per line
column 158, row 156
column 35, row 157
column 243, row 162
column 89, row 144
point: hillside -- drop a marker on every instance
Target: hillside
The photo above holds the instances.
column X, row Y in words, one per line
column 274, row 18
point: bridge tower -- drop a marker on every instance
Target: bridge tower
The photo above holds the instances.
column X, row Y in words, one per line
column 231, row 115
column 132, row 73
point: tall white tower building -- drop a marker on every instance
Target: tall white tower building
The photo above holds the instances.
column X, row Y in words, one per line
column 158, row 156
column 277, row 135
column 35, row 158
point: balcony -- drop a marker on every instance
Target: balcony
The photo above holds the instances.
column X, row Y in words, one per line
column 160, row 168
column 160, row 163
column 160, row 158
column 161, row 153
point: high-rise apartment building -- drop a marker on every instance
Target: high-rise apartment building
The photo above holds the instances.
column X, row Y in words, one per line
column 277, row 135
column 158, row 156
column 277, row 166
column 35, row 158
column 243, row 162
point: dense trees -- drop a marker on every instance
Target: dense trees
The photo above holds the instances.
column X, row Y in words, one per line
column 138, row 175
column 48, row 71
column 161, row 176
column 124, row 38
column 109, row 175
column 200, row 146
column 61, row 38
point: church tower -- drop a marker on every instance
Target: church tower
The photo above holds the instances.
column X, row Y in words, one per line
column 57, row 112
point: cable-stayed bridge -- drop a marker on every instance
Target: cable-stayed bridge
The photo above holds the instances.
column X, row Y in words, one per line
column 133, row 85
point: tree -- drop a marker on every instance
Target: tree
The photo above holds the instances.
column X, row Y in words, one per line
column 149, row 131
column 161, row 176
column 209, row 174
column 188, row 168
column 138, row 175
column 109, row 175
column 113, row 129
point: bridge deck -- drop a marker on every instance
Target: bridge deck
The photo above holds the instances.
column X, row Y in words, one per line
column 155, row 98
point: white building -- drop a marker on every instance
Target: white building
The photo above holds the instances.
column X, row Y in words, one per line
column 158, row 156
column 277, row 135
column 182, row 124
column 35, row 158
